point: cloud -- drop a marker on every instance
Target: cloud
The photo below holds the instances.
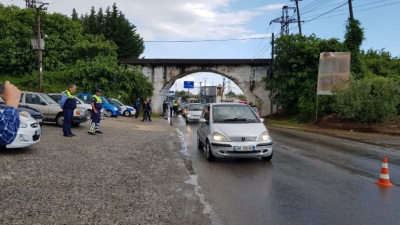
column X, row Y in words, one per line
column 173, row 19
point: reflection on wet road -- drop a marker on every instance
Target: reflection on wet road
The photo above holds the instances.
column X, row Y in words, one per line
column 312, row 179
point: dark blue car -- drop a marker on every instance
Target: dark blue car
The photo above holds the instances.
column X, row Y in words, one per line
column 36, row 114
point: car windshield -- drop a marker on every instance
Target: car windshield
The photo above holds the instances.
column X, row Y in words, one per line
column 115, row 102
column 48, row 98
column 104, row 100
column 195, row 107
column 234, row 114
column 79, row 100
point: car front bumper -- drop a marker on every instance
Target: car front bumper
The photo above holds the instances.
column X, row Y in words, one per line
column 26, row 137
column 80, row 119
column 233, row 149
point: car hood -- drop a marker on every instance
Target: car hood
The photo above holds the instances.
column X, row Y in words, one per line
column 240, row 129
column 194, row 113
column 32, row 111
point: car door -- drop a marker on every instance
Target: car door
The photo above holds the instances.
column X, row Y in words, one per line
column 35, row 101
column 204, row 127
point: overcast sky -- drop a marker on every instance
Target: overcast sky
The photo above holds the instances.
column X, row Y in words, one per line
column 199, row 20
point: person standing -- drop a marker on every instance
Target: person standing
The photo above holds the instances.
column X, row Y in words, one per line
column 68, row 105
column 145, row 111
column 175, row 106
column 165, row 107
column 9, row 118
column 97, row 105
column 137, row 107
column 171, row 108
column 150, row 109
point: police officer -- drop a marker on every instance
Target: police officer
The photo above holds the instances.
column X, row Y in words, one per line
column 68, row 104
column 97, row 105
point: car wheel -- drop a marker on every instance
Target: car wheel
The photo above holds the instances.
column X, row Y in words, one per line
column 268, row 158
column 127, row 113
column 199, row 144
column 60, row 120
column 209, row 154
column 109, row 113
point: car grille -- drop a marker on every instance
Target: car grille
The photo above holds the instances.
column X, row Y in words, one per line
column 34, row 125
column 35, row 137
column 239, row 139
column 243, row 152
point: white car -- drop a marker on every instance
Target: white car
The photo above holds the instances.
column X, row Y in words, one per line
column 28, row 133
column 233, row 130
column 126, row 110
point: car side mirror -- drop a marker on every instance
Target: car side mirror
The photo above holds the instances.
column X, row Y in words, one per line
column 202, row 120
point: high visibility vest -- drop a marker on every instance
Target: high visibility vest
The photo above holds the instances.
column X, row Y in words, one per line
column 175, row 104
column 98, row 99
column 70, row 95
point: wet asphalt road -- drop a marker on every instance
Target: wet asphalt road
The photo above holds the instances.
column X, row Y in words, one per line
column 312, row 179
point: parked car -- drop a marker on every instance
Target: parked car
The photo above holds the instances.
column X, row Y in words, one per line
column 35, row 114
column 233, row 130
column 28, row 133
column 111, row 110
column 79, row 102
column 51, row 110
column 192, row 112
column 126, row 110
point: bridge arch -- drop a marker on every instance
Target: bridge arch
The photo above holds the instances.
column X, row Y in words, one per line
column 247, row 74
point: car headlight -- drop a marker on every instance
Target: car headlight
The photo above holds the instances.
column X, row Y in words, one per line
column 78, row 113
column 219, row 137
column 188, row 115
column 264, row 137
column 25, row 113
column 23, row 125
column 115, row 108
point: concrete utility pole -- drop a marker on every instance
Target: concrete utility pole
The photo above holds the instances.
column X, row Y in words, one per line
column 284, row 20
column 38, row 5
column 272, row 73
column 351, row 9
column 298, row 14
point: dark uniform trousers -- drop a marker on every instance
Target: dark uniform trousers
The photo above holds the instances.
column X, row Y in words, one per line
column 68, row 117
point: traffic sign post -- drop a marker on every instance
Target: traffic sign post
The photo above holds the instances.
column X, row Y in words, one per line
column 188, row 85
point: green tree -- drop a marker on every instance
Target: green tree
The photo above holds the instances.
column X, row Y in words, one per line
column 353, row 40
column 296, row 70
column 16, row 54
column 75, row 16
column 381, row 63
column 368, row 100
column 230, row 94
column 114, row 26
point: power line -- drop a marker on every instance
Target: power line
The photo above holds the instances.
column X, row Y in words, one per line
column 213, row 40
column 326, row 12
column 318, row 5
column 324, row 7
column 259, row 43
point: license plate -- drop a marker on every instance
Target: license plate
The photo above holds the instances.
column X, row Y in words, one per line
column 38, row 132
column 39, row 120
column 243, row 148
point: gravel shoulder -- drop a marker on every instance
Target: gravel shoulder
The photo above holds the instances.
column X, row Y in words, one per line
column 134, row 173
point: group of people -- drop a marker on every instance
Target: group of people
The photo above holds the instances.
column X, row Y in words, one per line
column 173, row 108
column 68, row 105
column 147, row 109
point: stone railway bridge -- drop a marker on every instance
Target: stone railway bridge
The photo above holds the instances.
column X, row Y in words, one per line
column 246, row 73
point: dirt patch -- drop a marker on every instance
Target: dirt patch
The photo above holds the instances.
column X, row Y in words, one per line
column 333, row 122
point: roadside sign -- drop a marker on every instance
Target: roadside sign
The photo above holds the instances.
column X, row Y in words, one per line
column 188, row 84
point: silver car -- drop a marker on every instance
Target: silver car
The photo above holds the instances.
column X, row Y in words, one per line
column 233, row 130
column 192, row 112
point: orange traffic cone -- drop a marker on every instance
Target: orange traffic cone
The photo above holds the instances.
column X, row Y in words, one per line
column 384, row 180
